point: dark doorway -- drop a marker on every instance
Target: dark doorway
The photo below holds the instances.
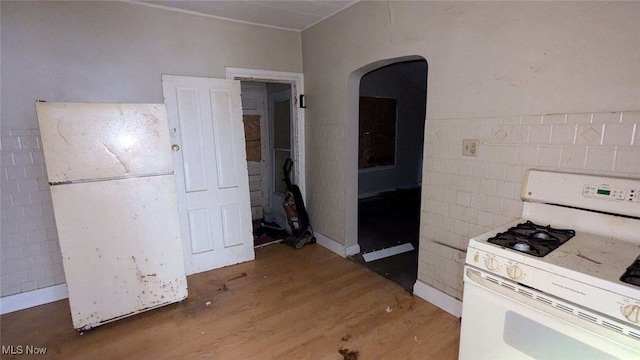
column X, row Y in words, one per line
column 390, row 152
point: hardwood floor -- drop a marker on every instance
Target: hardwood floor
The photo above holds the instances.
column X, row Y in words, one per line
column 287, row 304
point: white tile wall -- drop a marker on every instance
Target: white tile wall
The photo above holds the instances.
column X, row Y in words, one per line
column 466, row 196
column 28, row 239
column 326, row 157
column 462, row 196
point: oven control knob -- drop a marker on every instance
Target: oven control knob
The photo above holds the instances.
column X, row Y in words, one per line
column 491, row 263
column 514, row 272
column 632, row 313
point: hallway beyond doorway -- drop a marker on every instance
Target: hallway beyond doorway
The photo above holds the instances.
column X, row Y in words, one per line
column 389, row 219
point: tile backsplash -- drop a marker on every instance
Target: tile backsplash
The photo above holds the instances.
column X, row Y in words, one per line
column 462, row 196
column 28, row 238
column 466, row 196
column 325, row 202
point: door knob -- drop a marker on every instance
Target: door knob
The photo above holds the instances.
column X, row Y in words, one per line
column 175, row 147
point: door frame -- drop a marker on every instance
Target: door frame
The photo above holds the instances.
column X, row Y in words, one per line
column 275, row 199
column 298, row 120
column 273, row 98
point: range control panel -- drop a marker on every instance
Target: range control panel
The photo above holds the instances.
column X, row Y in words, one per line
column 609, row 194
column 605, row 192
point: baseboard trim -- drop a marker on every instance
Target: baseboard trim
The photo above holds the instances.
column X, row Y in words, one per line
column 385, row 253
column 331, row 244
column 371, row 194
column 33, row 298
column 445, row 302
column 352, row 250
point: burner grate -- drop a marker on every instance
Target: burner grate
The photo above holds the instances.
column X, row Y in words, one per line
column 532, row 239
column 632, row 275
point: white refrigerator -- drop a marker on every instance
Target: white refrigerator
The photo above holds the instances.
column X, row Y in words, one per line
column 114, row 198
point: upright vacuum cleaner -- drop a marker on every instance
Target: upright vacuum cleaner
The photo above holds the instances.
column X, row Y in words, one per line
column 297, row 215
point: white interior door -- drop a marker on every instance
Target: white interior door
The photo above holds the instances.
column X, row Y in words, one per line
column 205, row 121
column 280, row 144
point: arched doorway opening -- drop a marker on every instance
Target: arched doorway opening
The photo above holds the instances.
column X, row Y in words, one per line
column 387, row 110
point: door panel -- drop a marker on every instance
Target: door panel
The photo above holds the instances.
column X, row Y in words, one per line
column 224, row 134
column 231, row 222
column 205, row 118
column 200, row 226
column 191, row 129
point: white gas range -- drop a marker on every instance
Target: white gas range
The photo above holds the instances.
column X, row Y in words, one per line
column 548, row 285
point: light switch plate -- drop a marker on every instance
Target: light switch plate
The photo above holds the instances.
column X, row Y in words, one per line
column 470, row 147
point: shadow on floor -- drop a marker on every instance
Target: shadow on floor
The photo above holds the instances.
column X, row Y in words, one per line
column 387, row 220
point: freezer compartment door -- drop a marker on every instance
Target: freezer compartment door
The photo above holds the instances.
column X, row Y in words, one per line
column 121, row 247
column 84, row 141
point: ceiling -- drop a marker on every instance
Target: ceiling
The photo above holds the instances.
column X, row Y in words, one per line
column 290, row 15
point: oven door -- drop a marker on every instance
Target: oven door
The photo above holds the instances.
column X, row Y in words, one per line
column 499, row 323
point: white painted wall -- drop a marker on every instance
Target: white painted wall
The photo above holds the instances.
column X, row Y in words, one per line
column 539, row 58
column 97, row 52
column 407, row 83
column 113, row 51
column 491, row 64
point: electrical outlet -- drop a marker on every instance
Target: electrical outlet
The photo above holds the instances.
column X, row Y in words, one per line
column 470, row 147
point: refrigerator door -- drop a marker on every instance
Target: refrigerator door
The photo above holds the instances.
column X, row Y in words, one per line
column 86, row 141
column 121, row 247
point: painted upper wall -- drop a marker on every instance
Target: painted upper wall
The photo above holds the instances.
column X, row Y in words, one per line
column 117, row 52
column 485, row 58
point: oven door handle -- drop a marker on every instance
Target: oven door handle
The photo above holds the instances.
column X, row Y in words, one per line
column 625, row 340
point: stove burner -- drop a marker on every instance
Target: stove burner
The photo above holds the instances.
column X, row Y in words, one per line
column 522, row 246
column 541, row 235
column 632, row 275
column 532, row 239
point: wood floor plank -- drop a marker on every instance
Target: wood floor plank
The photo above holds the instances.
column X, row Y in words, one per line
column 287, row 304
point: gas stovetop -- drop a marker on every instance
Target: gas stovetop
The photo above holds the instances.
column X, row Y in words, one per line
column 585, row 257
column 532, row 239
